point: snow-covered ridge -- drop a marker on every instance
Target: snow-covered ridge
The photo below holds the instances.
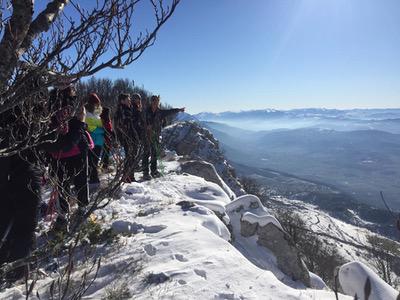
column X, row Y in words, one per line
column 170, row 251
column 183, row 237
column 261, row 220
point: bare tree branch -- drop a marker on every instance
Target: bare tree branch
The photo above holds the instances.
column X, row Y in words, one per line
column 15, row 33
column 66, row 45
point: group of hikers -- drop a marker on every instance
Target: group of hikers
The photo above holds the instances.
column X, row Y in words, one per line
column 83, row 136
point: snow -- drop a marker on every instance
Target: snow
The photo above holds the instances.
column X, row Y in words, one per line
column 322, row 223
column 317, row 282
column 198, row 143
column 215, row 206
column 246, row 202
column 169, row 251
column 261, row 220
column 353, row 277
column 126, row 227
column 250, row 207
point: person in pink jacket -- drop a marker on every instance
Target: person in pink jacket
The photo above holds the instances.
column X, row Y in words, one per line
column 70, row 160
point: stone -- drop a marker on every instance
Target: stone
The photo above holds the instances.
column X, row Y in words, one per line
column 190, row 140
column 205, row 170
column 247, row 229
column 288, row 258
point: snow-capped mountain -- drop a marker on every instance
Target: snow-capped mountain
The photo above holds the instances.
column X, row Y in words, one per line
column 364, row 114
column 333, row 119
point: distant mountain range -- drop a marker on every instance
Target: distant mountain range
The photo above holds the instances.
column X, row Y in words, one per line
column 358, row 114
column 359, row 162
column 340, row 120
column 356, row 151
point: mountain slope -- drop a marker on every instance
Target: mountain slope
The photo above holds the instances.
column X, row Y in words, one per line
column 182, row 237
column 360, row 163
column 172, row 252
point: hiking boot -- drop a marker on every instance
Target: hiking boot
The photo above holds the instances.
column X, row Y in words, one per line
column 155, row 174
column 61, row 225
column 129, row 179
column 14, row 275
column 78, row 218
column 146, row 177
column 126, row 180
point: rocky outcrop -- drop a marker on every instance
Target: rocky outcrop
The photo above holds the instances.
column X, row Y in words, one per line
column 250, row 221
column 191, row 140
column 207, row 171
column 288, row 258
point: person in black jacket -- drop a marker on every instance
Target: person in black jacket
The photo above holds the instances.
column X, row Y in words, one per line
column 20, row 197
column 126, row 134
column 19, row 186
column 109, row 138
column 155, row 117
column 140, row 124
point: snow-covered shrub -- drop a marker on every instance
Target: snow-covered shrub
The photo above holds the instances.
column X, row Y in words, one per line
column 386, row 258
column 320, row 257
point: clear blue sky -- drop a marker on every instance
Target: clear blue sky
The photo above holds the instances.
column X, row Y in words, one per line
column 217, row 55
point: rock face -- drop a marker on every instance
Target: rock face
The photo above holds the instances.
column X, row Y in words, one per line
column 251, row 222
column 288, row 258
column 247, row 229
column 207, row 171
column 197, row 143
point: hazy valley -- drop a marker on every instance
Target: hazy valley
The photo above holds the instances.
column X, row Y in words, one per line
column 339, row 160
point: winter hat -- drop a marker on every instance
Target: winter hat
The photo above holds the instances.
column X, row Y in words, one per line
column 136, row 96
column 123, row 96
column 155, row 98
column 94, row 99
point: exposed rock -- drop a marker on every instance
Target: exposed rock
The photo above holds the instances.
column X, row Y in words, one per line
column 185, row 205
column 288, row 258
column 158, row 278
column 249, row 218
column 207, row 171
column 197, row 143
column 247, row 229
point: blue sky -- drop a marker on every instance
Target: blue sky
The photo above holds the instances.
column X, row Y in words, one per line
column 217, row 55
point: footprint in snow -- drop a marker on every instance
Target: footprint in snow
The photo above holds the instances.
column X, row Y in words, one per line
column 180, row 257
column 165, row 244
column 154, row 228
column 150, row 249
column 226, row 296
column 182, row 282
column 201, row 273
